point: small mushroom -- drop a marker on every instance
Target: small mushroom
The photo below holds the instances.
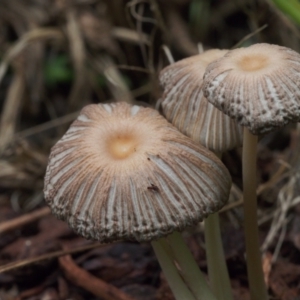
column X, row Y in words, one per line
column 258, row 87
column 184, row 105
column 123, row 172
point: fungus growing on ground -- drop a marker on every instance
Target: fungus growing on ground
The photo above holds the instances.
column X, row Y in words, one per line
column 257, row 86
column 184, row 105
column 123, row 172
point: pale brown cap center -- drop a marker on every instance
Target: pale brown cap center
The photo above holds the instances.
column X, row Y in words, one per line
column 122, row 146
column 254, row 62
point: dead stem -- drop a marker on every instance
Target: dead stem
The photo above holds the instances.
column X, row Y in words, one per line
column 29, row 261
column 24, row 219
column 95, row 285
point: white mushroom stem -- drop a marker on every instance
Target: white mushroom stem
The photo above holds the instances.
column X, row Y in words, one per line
column 257, row 285
column 217, row 268
column 216, row 262
column 177, row 285
column 189, row 269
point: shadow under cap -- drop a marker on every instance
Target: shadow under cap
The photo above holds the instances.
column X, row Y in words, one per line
column 184, row 105
column 124, row 172
column 258, row 86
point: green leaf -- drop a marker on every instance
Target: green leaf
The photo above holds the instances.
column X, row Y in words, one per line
column 290, row 8
column 58, row 70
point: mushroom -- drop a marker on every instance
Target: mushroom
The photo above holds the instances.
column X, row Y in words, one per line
column 184, row 105
column 123, row 172
column 257, row 86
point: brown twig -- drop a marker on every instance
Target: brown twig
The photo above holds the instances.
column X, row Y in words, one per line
column 133, row 68
column 250, row 35
column 130, row 36
column 24, row 219
column 47, row 125
column 179, row 32
column 160, row 21
column 30, row 292
column 85, row 280
column 264, row 186
column 11, row 109
column 104, row 64
column 29, row 261
column 78, row 53
column 20, row 45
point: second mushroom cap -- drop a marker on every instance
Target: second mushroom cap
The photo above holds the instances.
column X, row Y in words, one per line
column 184, row 105
column 258, row 86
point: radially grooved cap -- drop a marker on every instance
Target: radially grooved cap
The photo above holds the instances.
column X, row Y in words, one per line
column 184, row 105
column 123, row 172
column 258, row 86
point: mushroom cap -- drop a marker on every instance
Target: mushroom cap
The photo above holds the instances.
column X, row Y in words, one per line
column 124, row 172
column 184, row 105
column 257, row 86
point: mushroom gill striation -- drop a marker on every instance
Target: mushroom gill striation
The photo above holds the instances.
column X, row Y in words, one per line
column 124, row 172
column 258, row 86
column 184, row 105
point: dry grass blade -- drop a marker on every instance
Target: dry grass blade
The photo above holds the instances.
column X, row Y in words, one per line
column 47, row 125
column 285, row 201
column 168, row 54
column 250, row 35
column 21, row 44
column 105, row 65
column 278, row 175
column 9, row 171
column 10, row 112
column 134, row 11
column 95, row 285
column 133, row 68
column 179, row 32
column 160, row 21
column 78, row 53
column 280, row 240
column 129, row 35
column 24, row 219
column 26, row 262
column 24, row 169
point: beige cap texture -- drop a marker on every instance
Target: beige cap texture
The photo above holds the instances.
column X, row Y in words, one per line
column 124, row 172
column 184, row 105
column 258, row 86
